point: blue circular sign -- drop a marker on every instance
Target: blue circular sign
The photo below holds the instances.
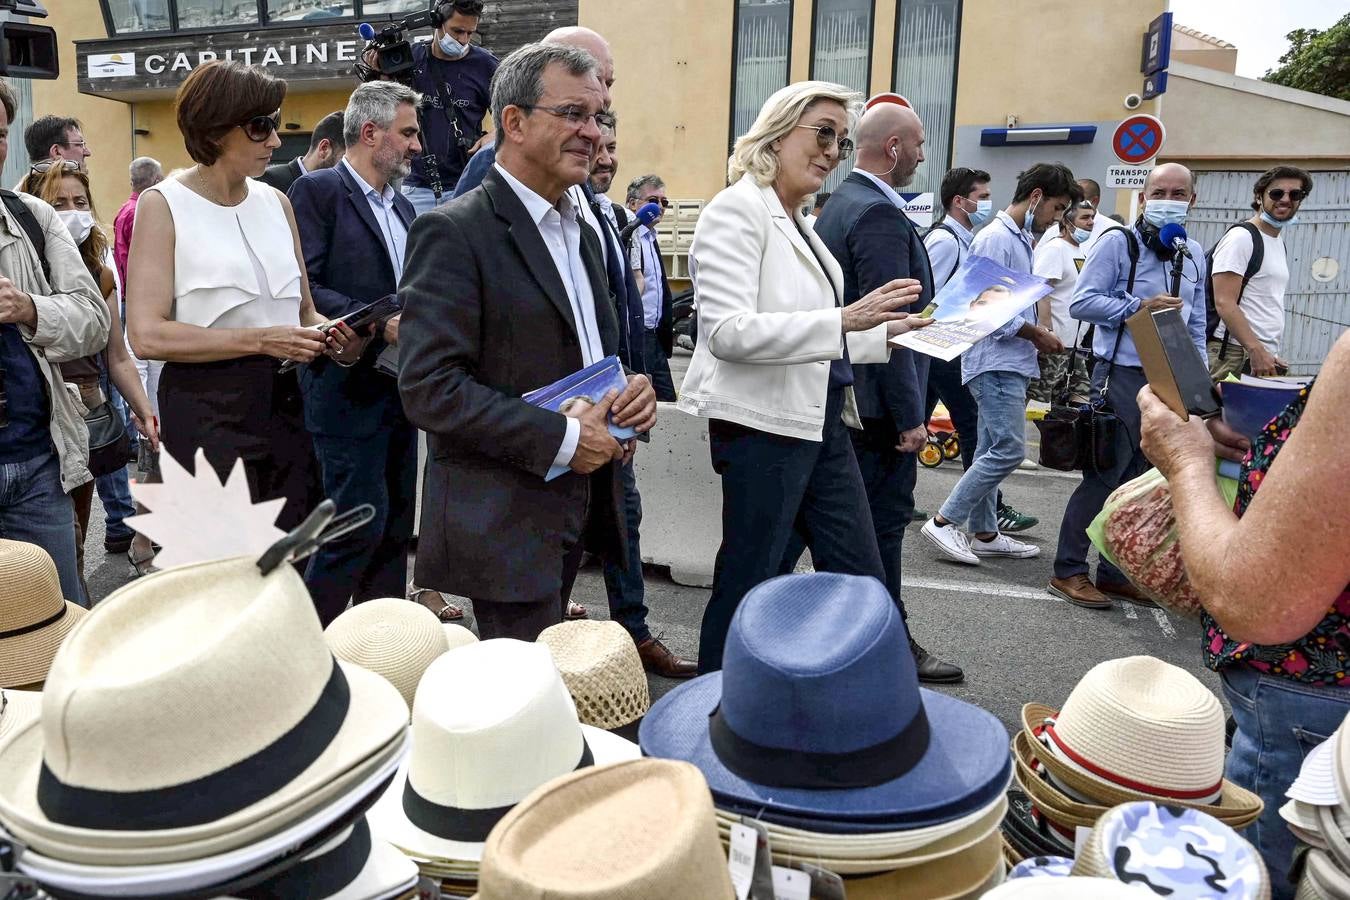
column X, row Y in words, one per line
column 1137, row 139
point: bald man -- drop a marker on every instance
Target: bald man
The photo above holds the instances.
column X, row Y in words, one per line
column 867, row 231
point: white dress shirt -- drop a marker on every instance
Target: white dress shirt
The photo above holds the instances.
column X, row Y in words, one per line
column 886, row 189
column 651, row 278
column 607, row 207
column 392, row 229
column 560, row 227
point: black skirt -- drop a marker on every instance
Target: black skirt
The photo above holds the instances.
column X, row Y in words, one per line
column 243, row 409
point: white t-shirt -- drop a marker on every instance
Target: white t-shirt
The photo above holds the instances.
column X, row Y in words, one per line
column 1058, row 261
column 1263, row 300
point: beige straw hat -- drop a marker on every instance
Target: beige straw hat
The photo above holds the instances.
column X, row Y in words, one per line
column 1322, row 879
column 34, row 618
column 602, row 670
column 640, row 829
column 393, row 637
column 1138, row 729
column 199, row 709
column 952, row 876
column 457, row 636
column 17, row 709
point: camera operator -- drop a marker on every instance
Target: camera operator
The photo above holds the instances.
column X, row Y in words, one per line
column 455, row 77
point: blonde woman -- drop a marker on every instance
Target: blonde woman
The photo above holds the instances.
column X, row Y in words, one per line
column 772, row 369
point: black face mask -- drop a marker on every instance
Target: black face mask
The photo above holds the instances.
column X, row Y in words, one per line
column 1149, row 234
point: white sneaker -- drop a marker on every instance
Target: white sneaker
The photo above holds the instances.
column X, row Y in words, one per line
column 951, row 541
column 1004, row 546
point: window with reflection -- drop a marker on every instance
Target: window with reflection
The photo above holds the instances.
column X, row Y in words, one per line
column 308, row 10
column 216, row 13
column 136, row 16
column 927, row 33
column 842, row 53
column 763, row 41
column 392, row 7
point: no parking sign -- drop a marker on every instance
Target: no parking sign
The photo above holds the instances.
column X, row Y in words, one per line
column 1138, row 139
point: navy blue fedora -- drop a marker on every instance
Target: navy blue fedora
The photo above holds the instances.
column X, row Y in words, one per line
column 817, row 716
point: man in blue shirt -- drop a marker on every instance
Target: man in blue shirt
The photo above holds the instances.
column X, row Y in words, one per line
column 657, row 339
column 1106, row 297
column 997, row 370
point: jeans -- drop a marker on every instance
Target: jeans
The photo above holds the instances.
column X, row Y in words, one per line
column 34, row 508
column 623, row 578
column 1002, row 399
column 424, row 200
column 113, row 488
column 1279, row 722
column 657, row 366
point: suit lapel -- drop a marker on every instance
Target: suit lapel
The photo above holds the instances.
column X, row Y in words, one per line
column 605, row 317
column 789, row 228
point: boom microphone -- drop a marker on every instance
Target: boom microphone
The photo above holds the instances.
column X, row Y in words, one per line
column 1174, row 236
column 647, row 214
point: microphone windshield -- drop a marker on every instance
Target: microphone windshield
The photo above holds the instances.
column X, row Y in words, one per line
column 648, row 213
column 1170, row 233
column 365, row 30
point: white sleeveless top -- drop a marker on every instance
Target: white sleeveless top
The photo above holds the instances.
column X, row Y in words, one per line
column 233, row 266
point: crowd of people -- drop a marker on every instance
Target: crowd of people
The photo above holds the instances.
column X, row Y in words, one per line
column 473, row 198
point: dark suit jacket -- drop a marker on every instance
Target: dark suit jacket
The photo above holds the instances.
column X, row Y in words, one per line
column 282, row 175
column 486, row 318
column 348, row 267
column 874, row 243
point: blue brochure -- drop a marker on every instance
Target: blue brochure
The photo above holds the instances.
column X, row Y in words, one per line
column 579, row 391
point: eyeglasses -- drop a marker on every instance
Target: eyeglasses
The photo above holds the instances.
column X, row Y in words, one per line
column 1295, row 196
column 827, row 136
column 83, row 145
column 574, row 115
column 260, row 128
column 45, row 166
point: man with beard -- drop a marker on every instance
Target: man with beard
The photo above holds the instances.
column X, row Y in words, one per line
column 354, row 228
column 866, row 229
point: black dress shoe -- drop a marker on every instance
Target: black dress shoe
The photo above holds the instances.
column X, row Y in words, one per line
column 933, row 670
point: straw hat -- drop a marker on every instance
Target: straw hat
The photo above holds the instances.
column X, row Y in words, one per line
column 602, row 670
column 636, row 829
column 1322, row 878
column 953, row 876
column 393, row 637
column 199, row 710
column 1144, row 842
column 351, row 866
column 34, row 618
column 457, row 635
column 1138, row 729
column 477, row 753
column 17, row 709
column 1071, row 888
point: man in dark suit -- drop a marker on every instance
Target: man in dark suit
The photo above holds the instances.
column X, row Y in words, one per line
column 869, row 234
column 505, row 291
column 326, row 146
column 353, row 230
column 657, row 335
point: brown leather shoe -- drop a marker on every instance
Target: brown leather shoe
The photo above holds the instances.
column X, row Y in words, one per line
column 657, row 658
column 1080, row 591
column 1125, row 591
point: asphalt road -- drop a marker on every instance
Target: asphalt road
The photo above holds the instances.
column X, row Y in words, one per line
column 1016, row 643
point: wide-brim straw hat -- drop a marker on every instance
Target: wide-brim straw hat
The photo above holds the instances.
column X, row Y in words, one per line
column 1174, row 852
column 1029, row 836
column 351, row 866
column 477, row 753
column 1236, row 805
column 1322, row 879
column 17, row 709
column 639, row 829
column 1074, row 887
column 391, row 636
column 198, row 710
column 957, row 875
column 34, row 617
column 602, row 670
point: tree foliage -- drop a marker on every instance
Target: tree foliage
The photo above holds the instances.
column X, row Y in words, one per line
column 1317, row 61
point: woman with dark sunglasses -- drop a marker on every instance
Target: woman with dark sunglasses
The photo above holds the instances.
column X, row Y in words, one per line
column 217, row 288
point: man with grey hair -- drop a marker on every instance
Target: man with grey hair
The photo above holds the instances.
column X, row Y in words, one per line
column 644, row 255
column 506, row 292
column 353, row 229
column 145, row 173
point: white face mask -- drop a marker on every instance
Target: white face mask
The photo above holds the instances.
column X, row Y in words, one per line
column 78, row 222
column 1080, row 235
column 451, row 47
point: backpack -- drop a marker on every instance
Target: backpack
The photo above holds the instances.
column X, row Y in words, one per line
column 1212, row 319
column 29, row 222
column 943, row 226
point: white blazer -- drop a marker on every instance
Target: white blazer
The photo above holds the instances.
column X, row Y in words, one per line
column 769, row 319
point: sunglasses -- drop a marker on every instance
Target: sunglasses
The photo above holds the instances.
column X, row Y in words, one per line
column 45, row 166
column 1295, row 196
column 826, row 137
column 662, row 201
column 260, row 128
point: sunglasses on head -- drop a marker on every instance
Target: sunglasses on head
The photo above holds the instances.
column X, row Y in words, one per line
column 826, row 136
column 260, row 128
column 1295, row 196
column 45, row 166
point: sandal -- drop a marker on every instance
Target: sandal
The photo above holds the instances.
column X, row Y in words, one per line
column 448, row 612
column 143, row 565
column 575, row 611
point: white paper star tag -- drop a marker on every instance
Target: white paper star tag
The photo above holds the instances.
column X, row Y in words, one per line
column 195, row 518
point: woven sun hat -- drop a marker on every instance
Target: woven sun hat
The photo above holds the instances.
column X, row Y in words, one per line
column 639, row 829
column 602, row 670
column 1072, row 888
column 818, row 715
column 1173, row 852
column 956, row 875
column 18, row 709
column 393, row 637
column 34, row 618
column 197, row 712
column 477, row 753
column 1027, row 833
column 1322, row 879
column 1138, row 728
column 457, row 635
column 351, row 866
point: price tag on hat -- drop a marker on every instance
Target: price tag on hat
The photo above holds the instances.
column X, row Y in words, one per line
column 791, row 884
column 825, row 885
column 741, row 859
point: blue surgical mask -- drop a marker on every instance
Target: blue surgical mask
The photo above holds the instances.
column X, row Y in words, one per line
column 1029, row 219
column 451, row 47
column 1080, row 235
column 983, row 210
column 1166, row 212
column 1276, row 223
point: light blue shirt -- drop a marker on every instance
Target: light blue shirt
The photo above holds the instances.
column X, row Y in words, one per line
column 392, row 229
column 946, row 253
column 651, row 278
column 1102, row 299
column 1010, row 245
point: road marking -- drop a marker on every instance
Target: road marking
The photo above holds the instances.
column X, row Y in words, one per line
column 1165, row 624
column 1129, row 611
column 992, row 589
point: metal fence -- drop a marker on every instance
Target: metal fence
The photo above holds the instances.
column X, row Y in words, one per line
column 1317, row 301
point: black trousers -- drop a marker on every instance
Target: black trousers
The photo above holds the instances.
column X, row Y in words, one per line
column 889, row 477
column 657, row 364
column 944, row 383
column 771, row 486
